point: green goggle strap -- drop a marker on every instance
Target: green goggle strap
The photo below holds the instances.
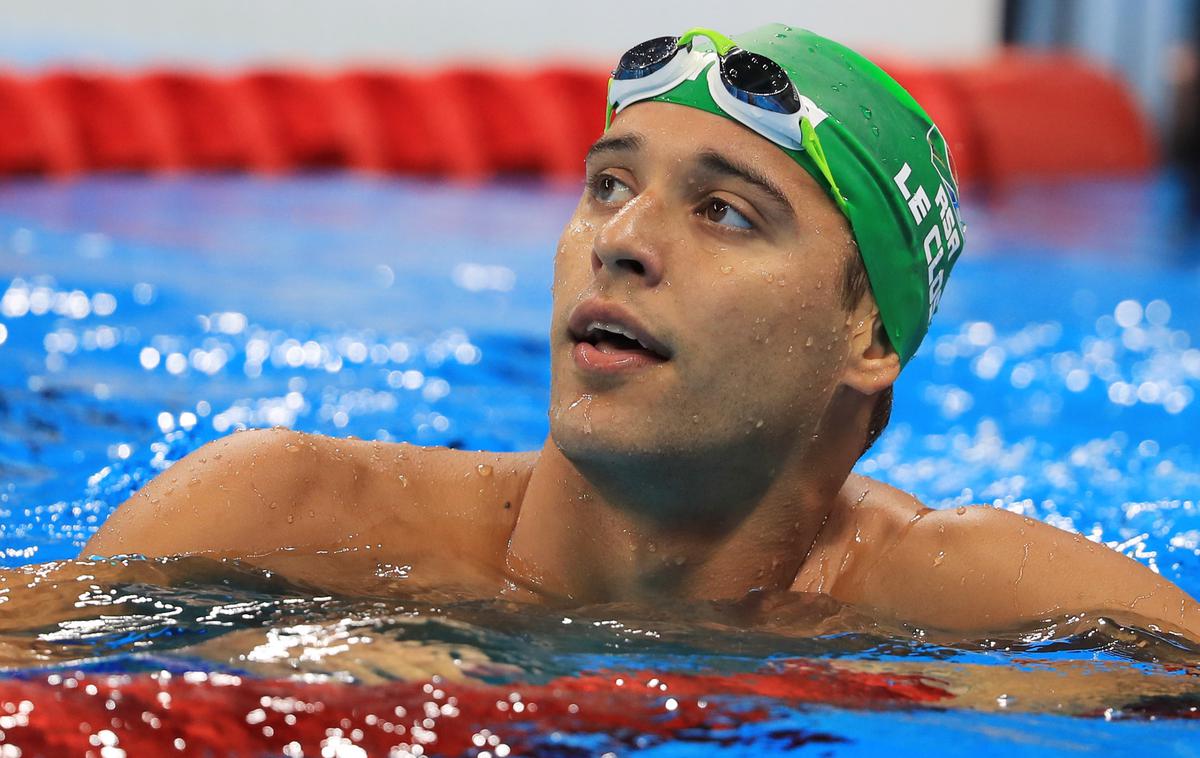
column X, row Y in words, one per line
column 811, row 145
column 722, row 43
column 608, row 108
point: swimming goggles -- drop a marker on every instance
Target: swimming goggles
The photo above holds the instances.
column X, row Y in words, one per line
column 748, row 87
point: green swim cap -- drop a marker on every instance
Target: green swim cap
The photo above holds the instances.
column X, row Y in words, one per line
column 887, row 159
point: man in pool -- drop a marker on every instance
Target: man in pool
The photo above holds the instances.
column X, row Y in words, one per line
column 767, row 226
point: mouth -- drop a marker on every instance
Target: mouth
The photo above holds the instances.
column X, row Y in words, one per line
column 608, row 339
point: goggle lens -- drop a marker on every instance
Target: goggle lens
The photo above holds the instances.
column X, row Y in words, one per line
column 646, row 58
column 760, row 81
column 750, row 77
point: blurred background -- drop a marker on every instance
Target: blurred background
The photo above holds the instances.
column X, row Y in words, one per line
column 310, row 32
column 1150, row 46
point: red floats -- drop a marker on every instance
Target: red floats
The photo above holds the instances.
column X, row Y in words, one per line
column 23, row 129
column 1047, row 116
column 471, row 122
column 209, row 121
column 1019, row 116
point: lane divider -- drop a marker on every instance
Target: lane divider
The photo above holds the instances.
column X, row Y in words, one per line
column 1016, row 117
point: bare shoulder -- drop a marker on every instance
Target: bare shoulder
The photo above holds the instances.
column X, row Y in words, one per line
column 866, row 513
column 265, row 489
column 979, row 568
column 482, row 486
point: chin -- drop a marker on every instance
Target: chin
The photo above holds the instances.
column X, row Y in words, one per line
column 592, row 433
column 580, row 433
column 586, row 431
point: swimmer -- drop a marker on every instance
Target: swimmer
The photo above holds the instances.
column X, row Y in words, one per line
column 767, row 226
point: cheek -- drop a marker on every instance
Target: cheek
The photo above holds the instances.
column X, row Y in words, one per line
column 775, row 330
column 572, row 260
column 779, row 307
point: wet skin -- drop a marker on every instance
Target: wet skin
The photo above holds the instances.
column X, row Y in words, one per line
column 712, row 462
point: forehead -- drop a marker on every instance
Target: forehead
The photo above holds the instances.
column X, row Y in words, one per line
column 676, row 133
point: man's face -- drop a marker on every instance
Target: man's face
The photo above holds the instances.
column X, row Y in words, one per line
column 724, row 258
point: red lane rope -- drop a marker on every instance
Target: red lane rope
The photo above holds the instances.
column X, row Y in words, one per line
column 1019, row 116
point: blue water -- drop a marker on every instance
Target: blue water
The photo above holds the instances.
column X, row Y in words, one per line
column 143, row 317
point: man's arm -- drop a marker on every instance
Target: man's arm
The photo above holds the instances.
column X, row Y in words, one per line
column 984, row 569
column 265, row 491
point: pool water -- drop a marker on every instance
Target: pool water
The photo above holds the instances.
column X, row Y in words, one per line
column 141, row 318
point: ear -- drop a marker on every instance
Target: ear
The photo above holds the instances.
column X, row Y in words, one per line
column 872, row 364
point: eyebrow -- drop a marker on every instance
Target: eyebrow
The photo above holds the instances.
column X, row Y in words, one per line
column 718, row 164
column 625, row 143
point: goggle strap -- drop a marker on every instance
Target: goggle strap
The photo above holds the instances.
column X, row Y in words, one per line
column 608, row 109
column 722, row 43
column 812, row 146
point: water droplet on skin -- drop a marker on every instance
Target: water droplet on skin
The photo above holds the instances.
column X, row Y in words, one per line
column 403, row 480
column 960, row 510
column 937, row 559
column 484, row 469
column 586, row 400
column 808, row 342
column 727, row 269
column 291, row 518
column 758, row 424
column 291, row 448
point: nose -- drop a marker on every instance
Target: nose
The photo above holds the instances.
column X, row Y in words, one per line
column 629, row 243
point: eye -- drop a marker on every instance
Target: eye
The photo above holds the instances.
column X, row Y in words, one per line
column 609, row 189
column 720, row 212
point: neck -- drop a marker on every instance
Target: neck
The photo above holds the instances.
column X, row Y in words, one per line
column 588, row 534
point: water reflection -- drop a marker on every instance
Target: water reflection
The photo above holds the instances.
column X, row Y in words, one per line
column 1059, row 389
